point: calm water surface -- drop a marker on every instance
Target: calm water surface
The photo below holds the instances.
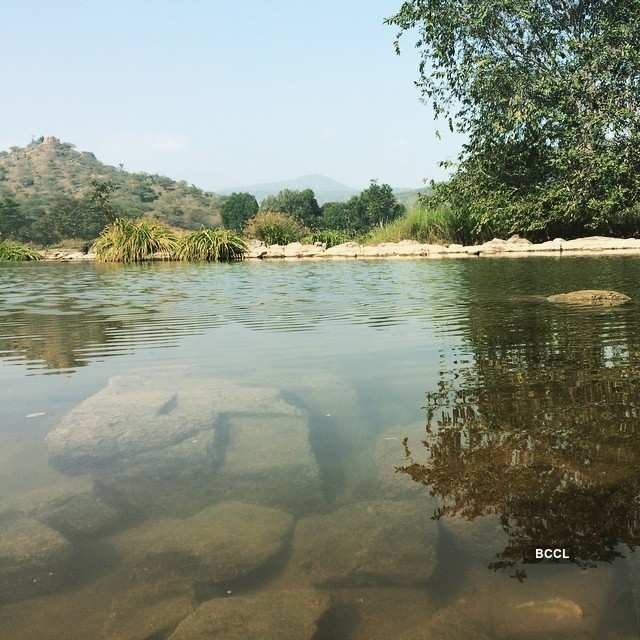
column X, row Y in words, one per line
column 379, row 444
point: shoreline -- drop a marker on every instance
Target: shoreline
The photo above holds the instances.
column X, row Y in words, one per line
column 513, row 247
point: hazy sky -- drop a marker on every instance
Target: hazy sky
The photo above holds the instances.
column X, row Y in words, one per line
column 221, row 93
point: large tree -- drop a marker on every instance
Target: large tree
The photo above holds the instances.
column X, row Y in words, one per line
column 548, row 96
column 300, row 204
column 237, row 209
column 12, row 219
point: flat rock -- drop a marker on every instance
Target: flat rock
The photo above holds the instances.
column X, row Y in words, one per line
column 376, row 542
column 32, row 557
column 224, row 542
column 590, row 297
column 268, row 459
column 271, row 615
column 82, row 515
column 136, row 413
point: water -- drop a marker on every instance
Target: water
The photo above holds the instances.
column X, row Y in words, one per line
column 348, row 450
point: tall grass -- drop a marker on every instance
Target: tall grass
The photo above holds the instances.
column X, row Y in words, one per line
column 134, row 241
column 16, row 252
column 211, row 245
column 274, row 227
column 431, row 226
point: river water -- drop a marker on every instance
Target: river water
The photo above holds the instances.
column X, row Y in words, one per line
column 331, row 450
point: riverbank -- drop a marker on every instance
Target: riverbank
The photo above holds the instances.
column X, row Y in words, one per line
column 513, row 247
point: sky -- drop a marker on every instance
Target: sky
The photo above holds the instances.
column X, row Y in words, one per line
column 221, row 93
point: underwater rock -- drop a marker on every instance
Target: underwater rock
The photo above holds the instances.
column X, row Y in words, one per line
column 136, row 413
column 377, row 542
column 591, row 297
column 480, row 539
column 223, row 543
column 270, row 615
column 268, row 459
column 82, row 515
column 32, row 557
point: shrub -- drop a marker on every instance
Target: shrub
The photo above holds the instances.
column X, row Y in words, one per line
column 16, row 252
column 273, row 227
column 211, row 245
column 134, row 241
column 330, row 238
column 423, row 225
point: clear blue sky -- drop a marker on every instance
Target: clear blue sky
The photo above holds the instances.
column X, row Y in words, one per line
column 221, row 93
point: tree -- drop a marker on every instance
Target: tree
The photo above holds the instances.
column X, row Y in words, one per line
column 97, row 210
column 548, row 97
column 300, row 204
column 12, row 219
column 237, row 209
column 377, row 205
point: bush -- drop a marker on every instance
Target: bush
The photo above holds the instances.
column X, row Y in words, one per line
column 16, row 252
column 273, row 227
column 330, row 238
column 433, row 226
column 128, row 241
column 211, row 245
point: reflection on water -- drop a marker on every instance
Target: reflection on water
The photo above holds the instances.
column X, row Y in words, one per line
column 242, row 451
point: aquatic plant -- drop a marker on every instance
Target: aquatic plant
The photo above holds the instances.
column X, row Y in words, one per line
column 331, row 238
column 274, row 227
column 134, row 241
column 211, row 245
column 16, row 252
column 428, row 225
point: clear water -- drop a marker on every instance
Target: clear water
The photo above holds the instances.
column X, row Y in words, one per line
column 421, row 389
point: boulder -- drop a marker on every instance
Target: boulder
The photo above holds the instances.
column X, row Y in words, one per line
column 268, row 459
column 480, row 540
column 270, row 615
column 32, row 557
column 345, row 250
column 81, row 515
column 299, row 250
column 275, row 251
column 223, row 543
column 590, row 297
column 376, row 542
column 256, row 249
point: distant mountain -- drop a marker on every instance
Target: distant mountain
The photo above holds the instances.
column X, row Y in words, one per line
column 326, row 189
column 46, row 169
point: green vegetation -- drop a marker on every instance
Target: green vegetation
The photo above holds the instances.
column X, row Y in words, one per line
column 274, row 227
column 330, row 238
column 211, row 245
column 16, row 252
column 547, row 96
column 238, row 209
column 134, row 241
column 301, row 205
column 374, row 207
column 428, row 225
column 53, row 184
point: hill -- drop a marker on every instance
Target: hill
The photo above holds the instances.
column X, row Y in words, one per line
column 325, row 189
column 46, row 169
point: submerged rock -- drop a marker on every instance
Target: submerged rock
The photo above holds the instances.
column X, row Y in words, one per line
column 271, row 615
column 591, row 297
column 32, row 557
column 222, row 543
column 378, row 542
column 82, row 515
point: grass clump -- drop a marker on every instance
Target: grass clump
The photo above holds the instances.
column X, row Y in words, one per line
column 211, row 245
column 331, row 238
column 431, row 226
column 16, row 252
column 273, row 227
column 134, row 241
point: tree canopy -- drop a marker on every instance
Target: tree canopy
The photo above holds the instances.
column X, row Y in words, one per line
column 300, row 204
column 237, row 209
column 548, row 96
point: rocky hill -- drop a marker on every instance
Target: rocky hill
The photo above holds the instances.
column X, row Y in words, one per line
column 47, row 168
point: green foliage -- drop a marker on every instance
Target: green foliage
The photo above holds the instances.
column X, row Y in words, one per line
column 211, row 245
column 12, row 219
column 15, row 252
column 274, row 227
column 431, row 226
column 134, row 241
column 547, row 95
column 330, row 237
column 237, row 209
column 299, row 204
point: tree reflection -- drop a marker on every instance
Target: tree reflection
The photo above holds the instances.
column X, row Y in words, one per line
column 541, row 427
